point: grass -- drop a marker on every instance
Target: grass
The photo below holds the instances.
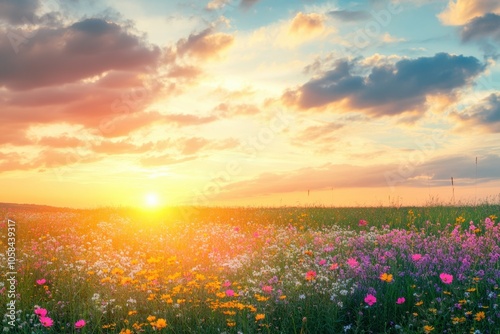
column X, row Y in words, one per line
column 251, row 270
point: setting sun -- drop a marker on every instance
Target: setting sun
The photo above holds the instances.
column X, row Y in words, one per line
column 151, row 200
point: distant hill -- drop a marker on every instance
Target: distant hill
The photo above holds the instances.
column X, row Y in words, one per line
column 37, row 207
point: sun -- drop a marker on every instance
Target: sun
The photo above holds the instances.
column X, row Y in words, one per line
column 151, row 200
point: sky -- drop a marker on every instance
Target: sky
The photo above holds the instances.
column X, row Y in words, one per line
column 249, row 102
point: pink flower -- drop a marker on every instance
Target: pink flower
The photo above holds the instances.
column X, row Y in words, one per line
column 352, row 262
column 229, row 293
column 400, row 300
column 226, row 284
column 41, row 312
column 80, row 323
column 46, row 321
column 416, row 257
column 41, row 281
column 362, row 222
column 370, row 299
column 322, row 262
column 446, row 278
column 267, row 289
column 311, row 275
column 334, row 266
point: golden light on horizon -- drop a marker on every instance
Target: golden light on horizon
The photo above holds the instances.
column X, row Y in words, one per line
column 151, row 200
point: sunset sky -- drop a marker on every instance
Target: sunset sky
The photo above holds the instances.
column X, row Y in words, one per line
column 248, row 102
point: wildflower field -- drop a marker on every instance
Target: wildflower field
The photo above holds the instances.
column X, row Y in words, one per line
column 432, row 269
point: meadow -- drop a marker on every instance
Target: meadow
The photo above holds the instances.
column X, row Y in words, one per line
column 432, row 269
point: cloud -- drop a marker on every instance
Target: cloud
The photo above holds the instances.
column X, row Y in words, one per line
column 485, row 115
column 482, row 27
column 387, row 38
column 205, row 45
column 188, row 120
column 460, row 12
column 338, row 176
column 248, row 3
column 65, row 55
column 305, row 24
column 317, row 133
column 387, row 89
column 227, row 109
column 217, row 4
column 186, row 149
column 18, row 12
column 349, row 15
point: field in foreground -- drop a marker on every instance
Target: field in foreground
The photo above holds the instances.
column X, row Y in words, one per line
column 286, row 270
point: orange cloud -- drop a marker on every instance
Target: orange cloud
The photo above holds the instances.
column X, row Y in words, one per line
column 460, row 12
column 205, row 45
column 303, row 24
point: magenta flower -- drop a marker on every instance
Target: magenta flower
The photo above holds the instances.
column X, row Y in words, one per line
column 400, row 300
column 41, row 281
column 229, row 293
column 370, row 299
column 416, row 257
column 41, row 312
column 322, row 262
column 352, row 262
column 46, row 321
column 446, row 278
column 80, row 323
column 362, row 222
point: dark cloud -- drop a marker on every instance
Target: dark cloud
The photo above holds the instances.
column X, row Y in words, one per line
column 65, row 55
column 18, row 12
column 387, row 89
column 482, row 27
column 349, row 15
column 485, row 115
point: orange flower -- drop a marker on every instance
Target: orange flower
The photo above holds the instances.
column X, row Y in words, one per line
column 385, row 277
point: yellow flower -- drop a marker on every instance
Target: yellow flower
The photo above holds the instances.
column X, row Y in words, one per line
column 106, row 279
column 471, row 289
column 126, row 331
column 479, row 316
column 260, row 316
column 428, row 329
column 117, row 271
column 385, row 277
column 151, row 318
column 132, row 312
column 458, row 320
column 419, row 303
column 230, row 323
column 161, row 323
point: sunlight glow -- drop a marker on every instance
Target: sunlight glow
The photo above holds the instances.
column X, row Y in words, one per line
column 151, row 200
